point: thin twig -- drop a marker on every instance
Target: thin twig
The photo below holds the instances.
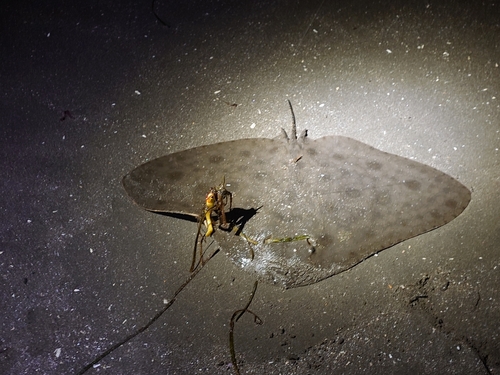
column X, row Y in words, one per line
column 148, row 324
column 156, row 15
column 236, row 316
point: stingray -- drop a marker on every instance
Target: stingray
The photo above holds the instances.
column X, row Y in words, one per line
column 302, row 209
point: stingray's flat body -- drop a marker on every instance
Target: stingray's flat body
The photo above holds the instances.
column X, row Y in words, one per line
column 351, row 200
